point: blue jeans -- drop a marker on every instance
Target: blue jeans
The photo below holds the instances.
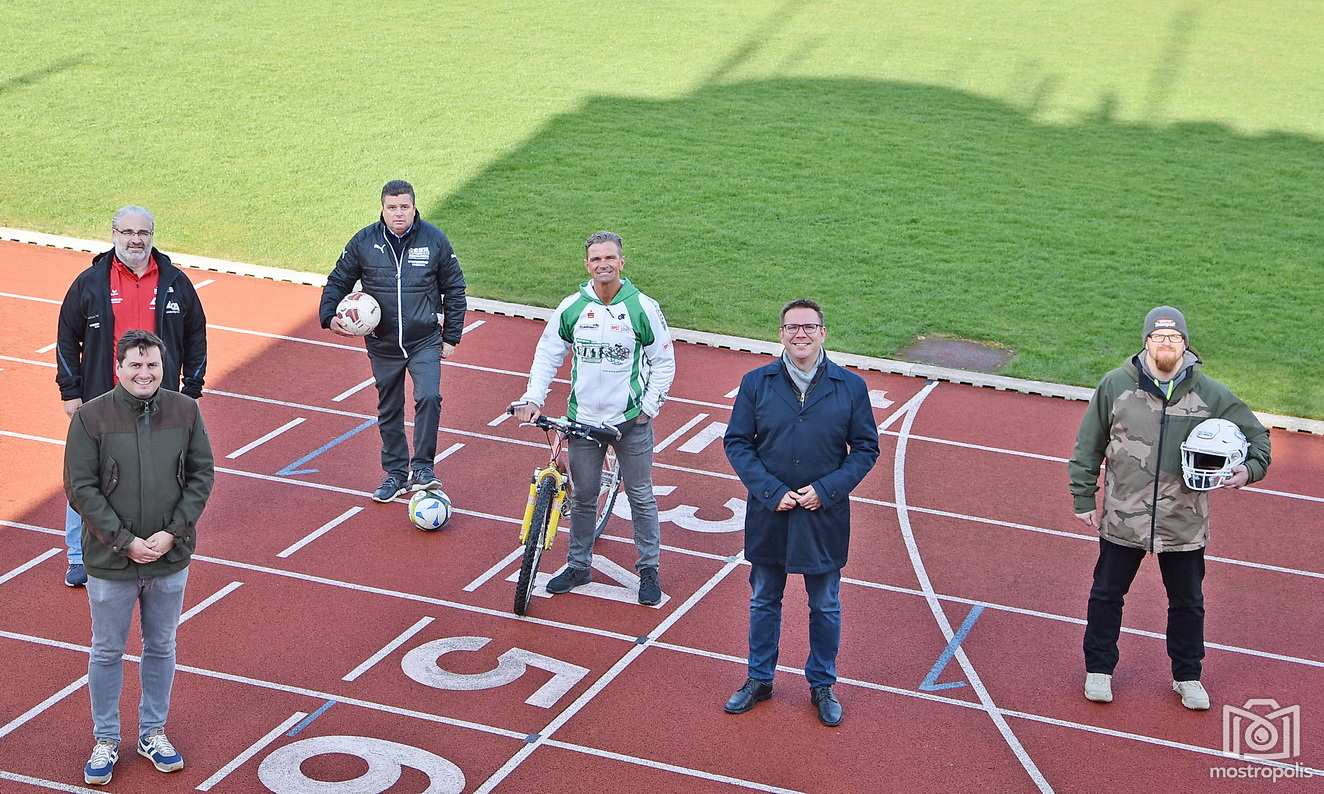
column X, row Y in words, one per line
column 160, row 599
column 73, row 534
column 765, row 623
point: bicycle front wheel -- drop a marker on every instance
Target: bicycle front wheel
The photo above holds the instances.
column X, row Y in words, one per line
column 609, row 490
column 528, row 571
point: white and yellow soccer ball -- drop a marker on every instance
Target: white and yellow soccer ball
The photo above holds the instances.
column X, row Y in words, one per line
column 429, row 510
column 359, row 313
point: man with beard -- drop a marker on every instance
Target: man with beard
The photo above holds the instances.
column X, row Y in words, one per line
column 133, row 285
column 1139, row 416
column 407, row 265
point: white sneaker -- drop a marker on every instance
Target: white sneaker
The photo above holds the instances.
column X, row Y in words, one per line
column 1099, row 687
column 1192, row 694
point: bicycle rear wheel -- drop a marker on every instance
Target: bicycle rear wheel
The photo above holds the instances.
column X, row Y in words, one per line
column 608, row 491
column 528, row 571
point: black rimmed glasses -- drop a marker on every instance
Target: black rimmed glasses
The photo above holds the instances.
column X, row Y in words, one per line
column 795, row 328
column 140, row 233
column 1170, row 339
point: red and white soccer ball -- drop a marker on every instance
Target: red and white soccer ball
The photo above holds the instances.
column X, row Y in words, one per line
column 359, row 313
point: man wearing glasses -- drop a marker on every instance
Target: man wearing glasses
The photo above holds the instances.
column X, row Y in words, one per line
column 801, row 437
column 131, row 286
column 1136, row 421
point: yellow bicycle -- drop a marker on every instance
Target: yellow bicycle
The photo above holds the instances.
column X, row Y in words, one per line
column 549, row 490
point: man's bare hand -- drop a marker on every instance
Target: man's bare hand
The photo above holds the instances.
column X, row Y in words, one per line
column 337, row 327
column 447, row 349
column 526, row 412
column 72, row 405
column 142, row 553
column 1088, row 519
column 788, row 502
column 1240, row 475
column 807, row 498
column 161, row 542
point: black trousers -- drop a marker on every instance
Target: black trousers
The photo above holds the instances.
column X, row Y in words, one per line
column 1183, row 577
column 424, row 366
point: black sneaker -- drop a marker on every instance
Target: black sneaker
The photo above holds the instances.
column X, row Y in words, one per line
column 569, row 579
column 650, row 592
column 390, row 488
column 423, row 479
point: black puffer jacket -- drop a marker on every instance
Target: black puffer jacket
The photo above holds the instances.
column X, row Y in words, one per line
column 413, row 278
column 85, row 349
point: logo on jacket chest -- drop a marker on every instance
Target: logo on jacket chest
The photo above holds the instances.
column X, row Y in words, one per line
column 418, row 257
column 600, row 352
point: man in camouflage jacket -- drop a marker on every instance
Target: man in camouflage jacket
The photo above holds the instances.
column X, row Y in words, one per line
column 1136, row 422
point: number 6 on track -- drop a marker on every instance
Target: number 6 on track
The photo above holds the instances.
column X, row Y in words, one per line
column 281, row 770
column 421, row 665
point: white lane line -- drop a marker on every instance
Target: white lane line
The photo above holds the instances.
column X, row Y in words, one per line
column 29, row 298
column 28, row 715
column 903, row 411
column 859, row 582
column 494, row 570
column 204, row 283
column 935, row 606
column 447, row 452
column 253, row 749
column 32, row 563
column 732, row 393
column 353, row 390
column 48, row 348
column 26, row 437
column 319, row 532
column 680, row 770
column 607, row 677
column 28, row 361
column 211, row 599
column 680, row 431
column 401, row 639
column 44, row 783
column 254, row 444
column 1271, row 492
column 500, row 420
column 472, row 326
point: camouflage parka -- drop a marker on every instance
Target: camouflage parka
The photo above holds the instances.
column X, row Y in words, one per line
column 1130, row 425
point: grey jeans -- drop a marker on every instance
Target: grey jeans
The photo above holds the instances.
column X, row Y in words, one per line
column 634, row 451
column 160, row 599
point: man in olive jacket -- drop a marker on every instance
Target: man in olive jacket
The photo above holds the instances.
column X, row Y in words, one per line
column 138, row 468
column 1137, row 420
column 801, row 437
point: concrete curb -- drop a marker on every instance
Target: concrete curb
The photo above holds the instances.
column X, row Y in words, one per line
column 929, row 372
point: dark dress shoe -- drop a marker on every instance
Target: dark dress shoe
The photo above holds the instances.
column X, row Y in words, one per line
column 747, row 696
column 829, row 708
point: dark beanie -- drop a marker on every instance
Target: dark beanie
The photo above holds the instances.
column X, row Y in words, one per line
column 1164, row 318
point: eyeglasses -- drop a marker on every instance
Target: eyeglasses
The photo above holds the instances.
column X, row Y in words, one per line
column 795, row 328
column 1171, row 339
column 143, row 233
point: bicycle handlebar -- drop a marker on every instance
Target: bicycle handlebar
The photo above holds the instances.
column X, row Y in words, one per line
column 572, row 428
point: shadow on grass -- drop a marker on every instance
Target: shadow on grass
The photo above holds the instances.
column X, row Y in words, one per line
column 8, row 84
column 909, row 209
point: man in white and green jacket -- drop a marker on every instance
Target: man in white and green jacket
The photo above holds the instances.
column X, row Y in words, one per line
column 622, row 367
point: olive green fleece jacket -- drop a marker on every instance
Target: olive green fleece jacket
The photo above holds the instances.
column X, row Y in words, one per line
column 1138, row 432
column 132, row 468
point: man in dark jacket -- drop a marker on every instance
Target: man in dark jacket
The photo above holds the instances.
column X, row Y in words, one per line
column 138, row 468
column 1137, row 420
column 406, row 264
column 133, row 285
column 801, row 438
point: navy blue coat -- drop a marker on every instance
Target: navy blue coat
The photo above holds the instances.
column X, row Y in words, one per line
column 777, row 445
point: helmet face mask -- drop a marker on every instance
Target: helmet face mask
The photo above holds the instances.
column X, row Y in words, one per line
column 1210, row 454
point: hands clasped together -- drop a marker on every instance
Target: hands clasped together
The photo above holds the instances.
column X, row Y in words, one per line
column 150, row 550
column 805, row 497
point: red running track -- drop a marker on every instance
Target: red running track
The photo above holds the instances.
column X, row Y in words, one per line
column 387, row 659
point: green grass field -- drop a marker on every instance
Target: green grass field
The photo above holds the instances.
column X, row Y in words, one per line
column 1036, row 175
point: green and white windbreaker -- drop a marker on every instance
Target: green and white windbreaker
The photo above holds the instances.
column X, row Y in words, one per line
column 623, row 362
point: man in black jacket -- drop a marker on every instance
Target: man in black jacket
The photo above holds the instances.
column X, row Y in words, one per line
column 407, row 265
column 133, row 285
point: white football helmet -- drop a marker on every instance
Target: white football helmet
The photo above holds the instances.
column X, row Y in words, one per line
column 1209, row 454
